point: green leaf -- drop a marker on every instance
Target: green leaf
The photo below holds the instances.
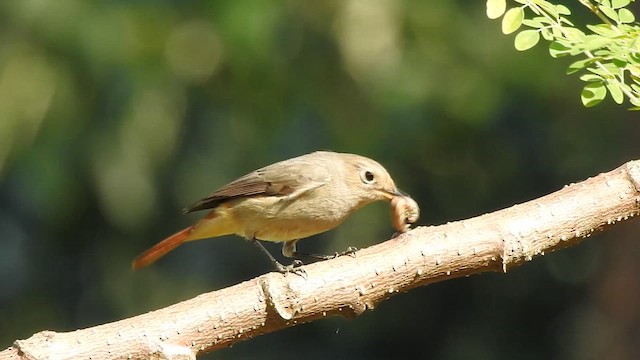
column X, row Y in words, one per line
column 534, row 23
column 604, row 70
column 604, row 30
column 526, row 39
column 634, row 70
column 574, row 34
column 626, row 16
column 563, row 10
column 543, row 20
column 564, row 20
column 603, row 53
column 616, row 92
column 495, row 8
column 619, row 63
column 575, row 51
column 609, row 12
column 590, row 77
column 593, row 42
column 547, row 34
column 557, row 49
column 579, row 65
column 593, row 93
column 617, row 4
column 512, row 20
column 548, row 7
column 614, row 67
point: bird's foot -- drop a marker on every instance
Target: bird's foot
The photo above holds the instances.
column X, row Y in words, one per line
column 351, row 251
column 293, row 268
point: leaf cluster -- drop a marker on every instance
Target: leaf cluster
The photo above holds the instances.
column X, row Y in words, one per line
column 607, row 53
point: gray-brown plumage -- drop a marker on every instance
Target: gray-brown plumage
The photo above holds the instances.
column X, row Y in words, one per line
column 286, row 201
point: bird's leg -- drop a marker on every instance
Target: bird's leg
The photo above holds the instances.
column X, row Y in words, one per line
column 289, row 250
column 293, row 268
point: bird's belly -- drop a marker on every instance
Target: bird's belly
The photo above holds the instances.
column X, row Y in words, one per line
column 278, row 223
column 278, row 230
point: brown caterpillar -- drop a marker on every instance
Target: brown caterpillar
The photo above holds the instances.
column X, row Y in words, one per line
column 404, row 212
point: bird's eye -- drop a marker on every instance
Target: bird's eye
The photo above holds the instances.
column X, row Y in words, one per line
column 367, row 177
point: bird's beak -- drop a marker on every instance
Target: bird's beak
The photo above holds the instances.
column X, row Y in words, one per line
column 390, row 193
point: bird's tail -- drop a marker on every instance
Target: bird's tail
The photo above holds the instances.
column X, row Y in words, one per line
column 160, row 249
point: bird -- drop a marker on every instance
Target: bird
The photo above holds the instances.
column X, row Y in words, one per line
column 285, row 202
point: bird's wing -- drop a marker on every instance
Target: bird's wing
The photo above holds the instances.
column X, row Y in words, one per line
column 262, row 182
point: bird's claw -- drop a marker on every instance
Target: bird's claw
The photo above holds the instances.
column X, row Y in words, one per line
column 351, row 251
column 293, row 268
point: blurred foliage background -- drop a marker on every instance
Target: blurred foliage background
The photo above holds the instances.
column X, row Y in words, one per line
column 116, row 114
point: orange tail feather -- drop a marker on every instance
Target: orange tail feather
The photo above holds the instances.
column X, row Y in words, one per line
column 160, row 249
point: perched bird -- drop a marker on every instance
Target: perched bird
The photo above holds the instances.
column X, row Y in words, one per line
column 285, row 202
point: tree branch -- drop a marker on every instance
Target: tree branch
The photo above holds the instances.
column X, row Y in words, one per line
column 348, row 286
